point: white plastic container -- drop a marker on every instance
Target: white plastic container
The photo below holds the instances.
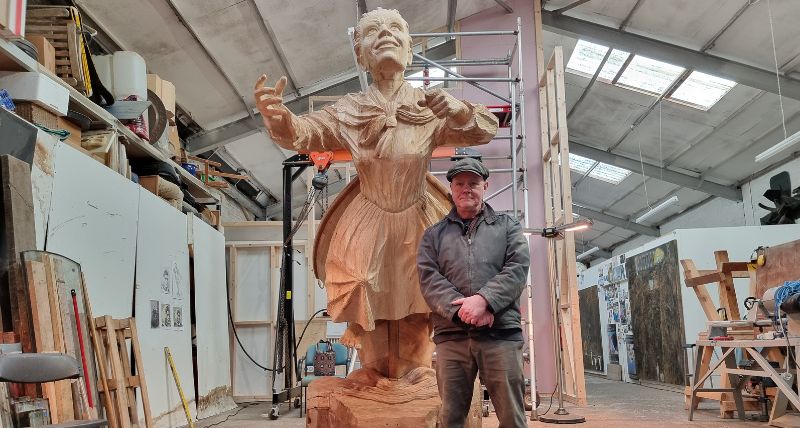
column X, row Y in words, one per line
column 123, row 73
column 36, row 88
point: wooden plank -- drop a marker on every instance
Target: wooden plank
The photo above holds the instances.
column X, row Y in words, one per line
column 42, row 327
column 133, row 412
column 727, row 294
column 137, row 355
column 18, row 232
column 117, row 373
column 253, row 323
column 786, row 421
column 710, row 278
column 100, row 355
column 63, row 388
column 232, row 281
column 709, row 309
column 55, row 306
column 570, row 273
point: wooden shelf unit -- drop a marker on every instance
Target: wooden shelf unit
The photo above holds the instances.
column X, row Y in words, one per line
column 14, row 59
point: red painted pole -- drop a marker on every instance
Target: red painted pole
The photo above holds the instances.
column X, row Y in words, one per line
column 83, row 350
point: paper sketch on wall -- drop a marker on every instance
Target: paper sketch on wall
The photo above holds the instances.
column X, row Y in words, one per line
column 166, row 281
column 177, row 318
column 166, row 315
column 176, row 281
column 786, row 201
column 155, row 319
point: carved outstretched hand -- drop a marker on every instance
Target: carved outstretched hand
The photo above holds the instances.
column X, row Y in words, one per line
column 269, row 102
column 447, row 106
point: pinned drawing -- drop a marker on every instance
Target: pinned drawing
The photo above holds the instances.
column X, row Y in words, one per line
column 166, row 315
column 176, row 281
column 155, row 319
column 166, row 281
column 177, row 317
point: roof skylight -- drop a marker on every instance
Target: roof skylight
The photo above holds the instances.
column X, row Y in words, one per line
column 702, row 90
column 586, row 57
column 605, row 172
column 649, row 75
column 613, row 65
column 699, row 90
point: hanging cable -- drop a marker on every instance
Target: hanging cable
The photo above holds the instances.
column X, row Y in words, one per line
column 777, row 71
column 644, row 178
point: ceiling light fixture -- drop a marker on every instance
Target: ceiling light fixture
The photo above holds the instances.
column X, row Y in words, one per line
column 657, row 209
column 774, row 150
column 558, row 231
column 587, row 253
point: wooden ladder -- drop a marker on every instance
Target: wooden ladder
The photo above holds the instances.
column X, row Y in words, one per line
column 121, row 380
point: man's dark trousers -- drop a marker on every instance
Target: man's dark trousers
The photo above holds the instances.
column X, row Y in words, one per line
column 500, row 365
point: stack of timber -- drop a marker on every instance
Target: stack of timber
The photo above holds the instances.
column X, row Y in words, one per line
column 50, row 280
column 61, row 27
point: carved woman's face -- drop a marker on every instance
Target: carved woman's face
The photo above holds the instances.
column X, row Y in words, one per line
column 384, row 42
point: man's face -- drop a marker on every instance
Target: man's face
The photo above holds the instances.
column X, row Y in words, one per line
column 384, row 42
column 468, row 189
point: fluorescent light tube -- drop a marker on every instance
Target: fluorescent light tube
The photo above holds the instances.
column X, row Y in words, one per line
column 587, row 253
column 657, row 209
column 774, row 150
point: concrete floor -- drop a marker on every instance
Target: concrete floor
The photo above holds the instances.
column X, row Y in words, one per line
column 612, row 404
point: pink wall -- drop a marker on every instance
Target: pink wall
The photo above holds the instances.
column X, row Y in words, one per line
column 476, row 47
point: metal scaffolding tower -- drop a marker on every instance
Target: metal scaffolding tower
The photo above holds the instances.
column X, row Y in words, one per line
column 514, row 111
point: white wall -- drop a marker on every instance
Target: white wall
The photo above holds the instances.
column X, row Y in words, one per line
column 114, row 229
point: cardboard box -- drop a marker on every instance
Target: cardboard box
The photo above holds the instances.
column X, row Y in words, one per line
column 74, row 131
column 12, row 18
column 37, row 88
column 47, row 53
column 174, row 141
column 165, row 90
column 37, row 115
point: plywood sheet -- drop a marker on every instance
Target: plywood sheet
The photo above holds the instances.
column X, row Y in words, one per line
column 42, row 177
column 656, row 314
column 590, row 329
column 93, row 221
column 162, row 275
column 211, row 321
column 782, row 263
column 253, row 301
column 250, row 380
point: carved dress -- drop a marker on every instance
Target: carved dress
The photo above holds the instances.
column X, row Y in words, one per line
column 366, row 246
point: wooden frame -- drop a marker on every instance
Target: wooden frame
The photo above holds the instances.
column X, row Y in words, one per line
column 275, row 252
column 558, row 212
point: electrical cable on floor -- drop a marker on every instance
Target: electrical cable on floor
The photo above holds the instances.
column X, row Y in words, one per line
column 242, row 407
column 550, row 406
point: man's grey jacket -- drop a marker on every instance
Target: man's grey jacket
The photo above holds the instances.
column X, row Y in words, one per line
column 491, row 259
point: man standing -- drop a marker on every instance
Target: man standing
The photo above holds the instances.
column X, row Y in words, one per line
column 473, row 266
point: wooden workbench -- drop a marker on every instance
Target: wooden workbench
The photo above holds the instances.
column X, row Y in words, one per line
column 784, row 378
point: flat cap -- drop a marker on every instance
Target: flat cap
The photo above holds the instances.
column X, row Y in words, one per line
column 468, row 165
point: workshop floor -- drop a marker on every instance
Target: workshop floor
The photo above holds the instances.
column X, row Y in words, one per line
column 613, row 404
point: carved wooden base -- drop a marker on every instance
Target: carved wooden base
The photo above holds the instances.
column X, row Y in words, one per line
column 365, row 399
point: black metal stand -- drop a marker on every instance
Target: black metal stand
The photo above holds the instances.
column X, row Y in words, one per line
column 285, row 335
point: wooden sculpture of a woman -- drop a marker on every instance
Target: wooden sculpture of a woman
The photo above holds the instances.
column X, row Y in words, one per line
column 365, row 251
